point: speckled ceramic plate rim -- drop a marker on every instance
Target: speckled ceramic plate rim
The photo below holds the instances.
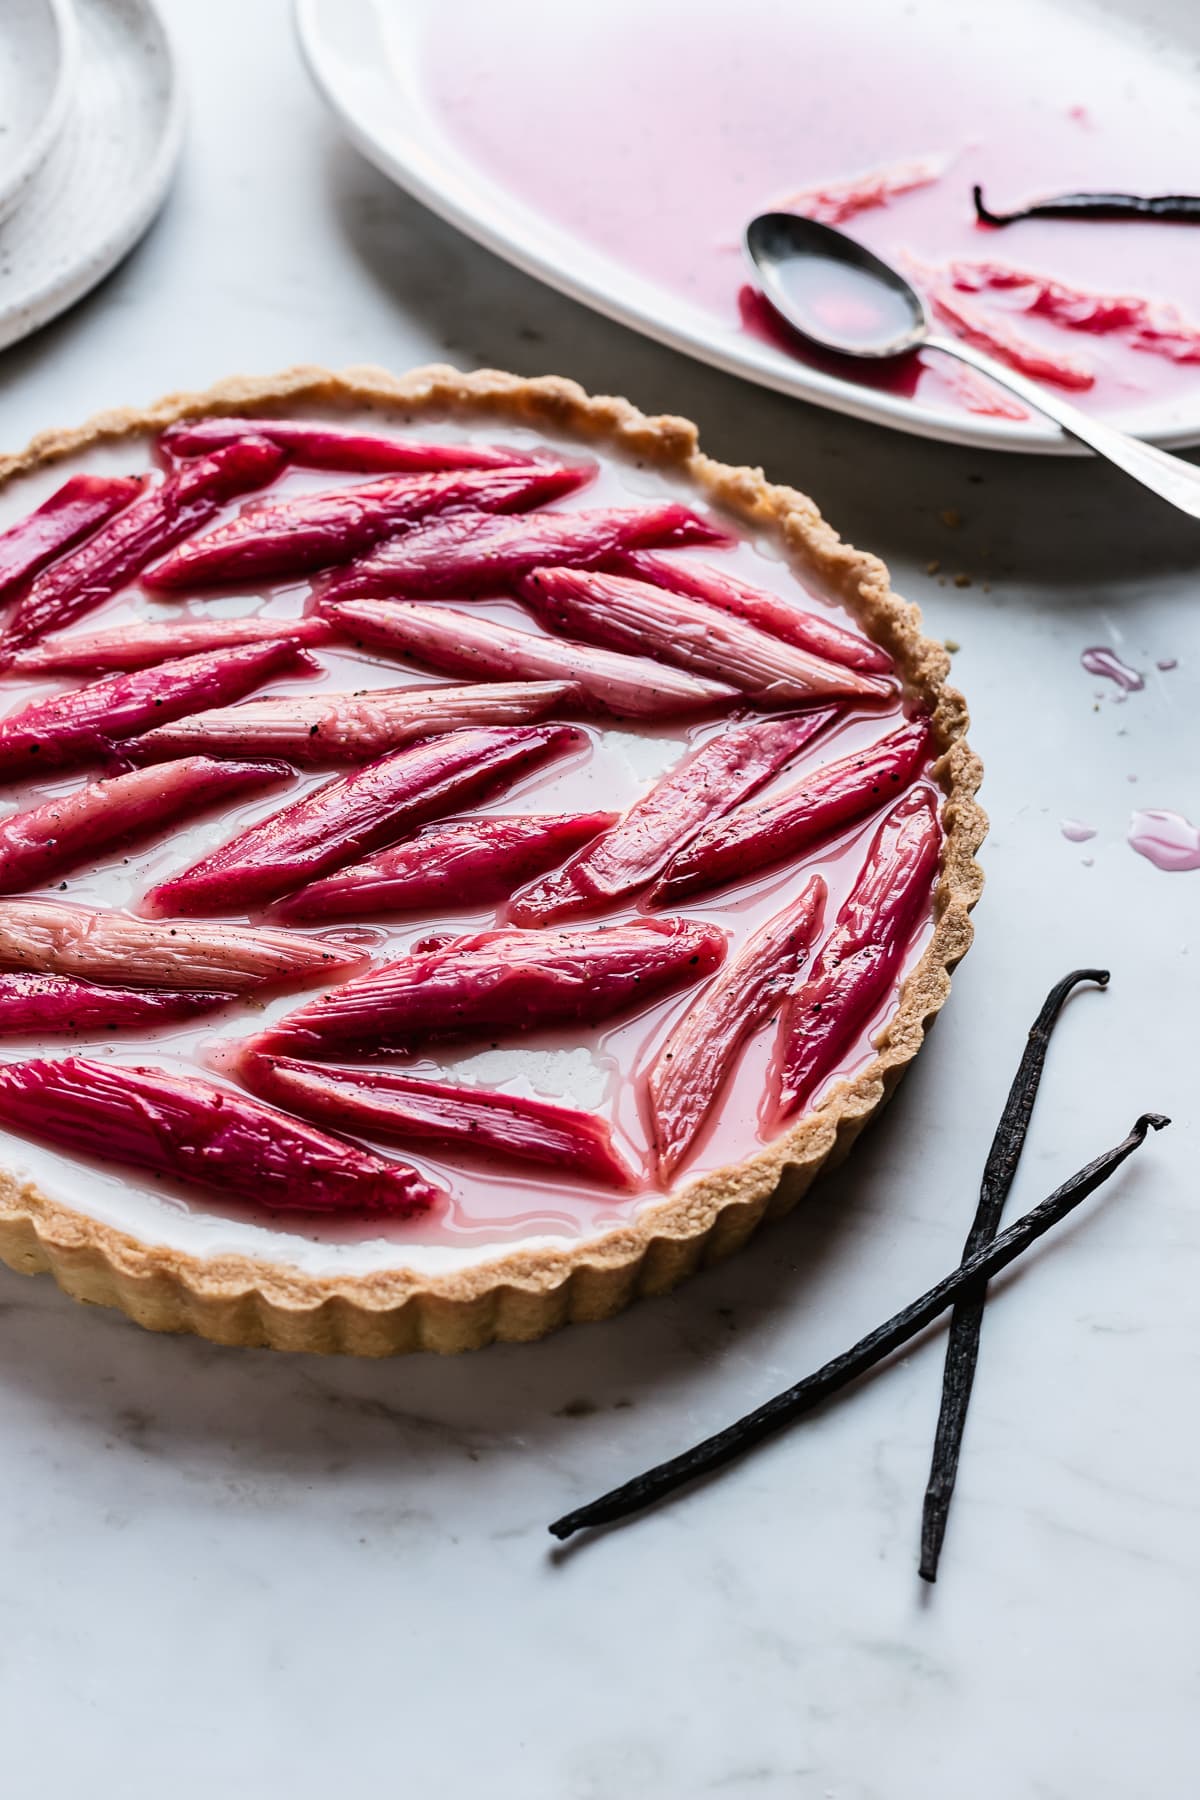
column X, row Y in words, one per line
column 54, row 116
column 524, row 1294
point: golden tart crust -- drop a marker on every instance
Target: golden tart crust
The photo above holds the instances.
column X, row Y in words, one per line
column 521, row 1295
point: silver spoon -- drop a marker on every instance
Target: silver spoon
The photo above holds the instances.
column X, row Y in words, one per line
column 841, row 297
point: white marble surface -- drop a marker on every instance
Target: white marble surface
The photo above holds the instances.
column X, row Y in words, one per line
column 244, row 1573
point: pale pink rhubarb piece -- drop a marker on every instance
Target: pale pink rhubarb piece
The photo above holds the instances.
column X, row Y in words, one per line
column 778, row 618
column 719, row 776
column 76, row 509
column 330, row 447
column 992, row 332
column 56, row 1005
column 209, row 1136
column 780, row 827
column 462, row 862
column 323, row 728
column 84, row 723
column 833, row 202
column 1154, row 326
column 57, row 836
column 459, row 643
column 697, row 1059
column 355, row 814
column 622, row 613
column 49, row 937
column 388, row 1104
column 297, row 534
column 503, row 982
column 117, row 554
column 477, row 553
column 859, row 959
column 138, row 645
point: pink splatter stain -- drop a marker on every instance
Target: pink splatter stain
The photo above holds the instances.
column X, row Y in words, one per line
column 1166, row 663
column 1076, row 832
column 1099, row 659
column 1166, row 839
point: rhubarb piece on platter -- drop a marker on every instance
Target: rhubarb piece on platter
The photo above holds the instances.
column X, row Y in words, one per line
column 192, row 1131
column 503, row 981
column 55, row 1005
column 389, row 1104
column 623, row 613
column 120, row 550
column 324, row 728
column 140, row 645
column 355, row 814
column 856, row 965
column 721, row 774
column 696, row 1060
column 461, row 862
column 330, row 447
column 48, row 937
column 80, row 506
column 39, row 845
column 87, row 721
column 1152, row 325
column 777, row 617
column 833, row 202
column 768, row 831
column 297, row 534
column 459, row 643
column 478, row 553
column 991, row 331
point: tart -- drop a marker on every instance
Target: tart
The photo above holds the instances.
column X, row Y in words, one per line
column 471, row 857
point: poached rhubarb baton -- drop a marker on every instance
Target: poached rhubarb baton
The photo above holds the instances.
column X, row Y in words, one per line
column 120, row 550
column 324, row 728
column 212, row 1137
column 356, row 813
column 329, row 447
column 622, row 613
column 386, row 1103
column 721, row 774
column 769, row 831
column 59, row 835
column 73, row 511
column 504, row 981
column 857, row 964
column 138, row 645
column 696, row 1059
column 459, row 643
column 316, row 531
column 55, row 1005
column 463, row 862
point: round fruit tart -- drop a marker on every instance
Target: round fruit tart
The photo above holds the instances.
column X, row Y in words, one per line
column 468, row 857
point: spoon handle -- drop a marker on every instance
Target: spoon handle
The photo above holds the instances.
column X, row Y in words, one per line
column 1168, row 476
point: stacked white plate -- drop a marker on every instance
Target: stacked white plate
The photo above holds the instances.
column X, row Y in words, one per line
column 90, row 127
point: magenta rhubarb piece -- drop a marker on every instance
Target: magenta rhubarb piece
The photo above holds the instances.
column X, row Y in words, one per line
column 991, row 331
column 299, row 534
column 117, row 554
column 48, row 937
column 478, row 553
column 207, row 1136
column 459, row 643
column 84, row 723
column 138, row 645
column 355, row 814
column 859, row 959
column 778, row 618
column 463, row 862
column 388, row 1104
column 697, row 1059
column 719, row 776
column 76, row 509
column 1152, row 325
column 57, row 836
column 503, row 982
column 54, row 1005
column 330, row 447
column 773, row 830
column 322, row 728
column 833, row 202
column 622, row 613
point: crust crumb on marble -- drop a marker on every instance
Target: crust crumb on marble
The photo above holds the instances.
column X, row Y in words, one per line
column 523, row 1295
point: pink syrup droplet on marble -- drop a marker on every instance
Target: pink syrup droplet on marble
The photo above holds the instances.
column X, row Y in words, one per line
column 1167, row 662
column 1076, row 832
column 1099, row 659
column 1166, row 839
